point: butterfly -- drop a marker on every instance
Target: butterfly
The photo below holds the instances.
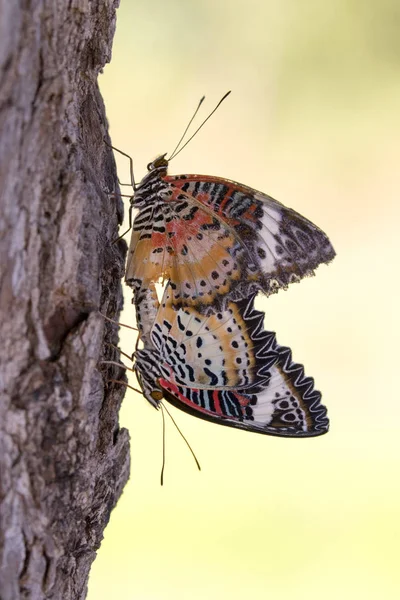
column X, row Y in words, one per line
column 224, row 367
column 213, row 239
column 216, row 240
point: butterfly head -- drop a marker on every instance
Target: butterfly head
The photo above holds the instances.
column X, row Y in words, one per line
column 152, row 185
column 159, row 164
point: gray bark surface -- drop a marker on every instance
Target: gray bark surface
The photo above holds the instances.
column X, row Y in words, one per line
column 63, row 458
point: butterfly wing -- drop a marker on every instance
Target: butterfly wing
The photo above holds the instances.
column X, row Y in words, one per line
column 215, row 239
column 226, row 368
column 184, row 242
column 223, row 350
column 287, row 407
column 284, row 245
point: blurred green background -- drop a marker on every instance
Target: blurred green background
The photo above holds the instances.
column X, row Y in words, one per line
column 313, row 120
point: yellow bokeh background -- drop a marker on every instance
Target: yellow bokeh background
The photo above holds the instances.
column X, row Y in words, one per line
column 313, row 120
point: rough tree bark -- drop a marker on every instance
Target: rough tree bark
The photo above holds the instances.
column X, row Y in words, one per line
column 63, row 458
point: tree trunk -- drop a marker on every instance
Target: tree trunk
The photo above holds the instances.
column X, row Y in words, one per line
column 63, row 458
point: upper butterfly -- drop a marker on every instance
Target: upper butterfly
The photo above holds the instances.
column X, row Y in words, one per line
column 215, row 239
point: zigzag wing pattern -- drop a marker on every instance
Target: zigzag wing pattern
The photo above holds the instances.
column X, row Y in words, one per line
column 271, row 396
column 223, row 350
column 288, row 407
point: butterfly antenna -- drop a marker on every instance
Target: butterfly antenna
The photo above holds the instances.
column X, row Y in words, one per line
column 187, row 126
column 183, row 437
column 163, row 445
column 176, row 151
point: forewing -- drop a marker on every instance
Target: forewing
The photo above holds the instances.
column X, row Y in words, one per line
column 182, row 241
column 284, row 245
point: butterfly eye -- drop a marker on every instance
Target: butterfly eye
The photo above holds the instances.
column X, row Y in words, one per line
column 150, row 166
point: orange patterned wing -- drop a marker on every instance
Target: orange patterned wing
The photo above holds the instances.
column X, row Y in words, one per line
column 185, row 243
column 284, row 245
column 219, row 350
column 216, row 239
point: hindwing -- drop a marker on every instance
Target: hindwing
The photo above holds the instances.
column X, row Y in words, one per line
column 226, row 368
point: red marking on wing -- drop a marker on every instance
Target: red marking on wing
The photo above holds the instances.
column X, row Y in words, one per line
column 217, row 403
column 172, row 389
column 217, row 413
column 207, row 200
column 158, row 240
column 242, row 400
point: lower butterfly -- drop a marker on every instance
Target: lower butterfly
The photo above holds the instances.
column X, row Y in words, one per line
column 224, row 367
